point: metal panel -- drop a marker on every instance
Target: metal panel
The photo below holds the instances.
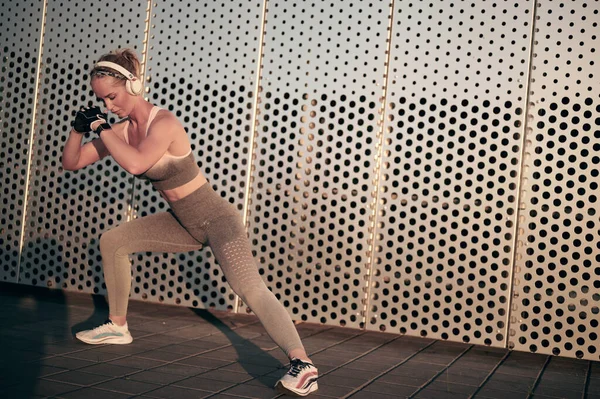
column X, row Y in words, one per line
column 451, row 160
column 319, row 112
column 203, row 69
column 67, row 211
column 557, row 285
column 20, row 24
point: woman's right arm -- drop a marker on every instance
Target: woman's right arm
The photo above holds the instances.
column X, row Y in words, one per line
column 75, row 156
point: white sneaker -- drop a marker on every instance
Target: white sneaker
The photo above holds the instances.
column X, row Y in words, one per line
column 300, row 380
column 107, row 333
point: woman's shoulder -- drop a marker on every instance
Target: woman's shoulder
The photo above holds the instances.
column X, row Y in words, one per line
column 164, row 118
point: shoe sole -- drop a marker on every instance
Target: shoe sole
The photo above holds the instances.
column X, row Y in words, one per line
column 107, row 340
column 282, row 389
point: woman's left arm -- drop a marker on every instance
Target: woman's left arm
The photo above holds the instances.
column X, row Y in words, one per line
column 150, row 150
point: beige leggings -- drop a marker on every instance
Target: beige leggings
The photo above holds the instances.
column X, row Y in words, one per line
column 201, row 218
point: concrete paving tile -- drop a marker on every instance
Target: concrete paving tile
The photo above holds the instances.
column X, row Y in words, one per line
column 336, row 355
column 519, row 370
column 191, row 332
column 66, row 362
column 205, row 362
column 226, row 376
column 162, row 325
column 352, row 373
column 488, row 351
column 570, row 382
column 413, row 363
column 394, row 390
column 593, row 387
column 510, row 383
column 489, row 393
column 342, row 381
column 180, row 369
column 371, row 395
column 567, row 366
column 173, row 392
column 195, row 349
column 94, row 356
column 196, row 343
column 439, row 355
column 66, row 347
column 401, row 379
column 138, row 363
column 217, row 338
column 420, row 370
column 264, row 380
column 223, row 354
column 252, row 391
column 451, row 387
column 154, row 377
column 435, row 394
column 249, row 369
column 331, row 390
column 40, row 387
column 108, row 369
column 544, row 397
column 158, row 340
column 477, row 364
column 367, row 366
column 126, row 385
column 204, row 384
column 558, row 392
column 162, row 355
column 44, row 371
column 92, row 393
column 76, row 377
column 479, row 374
column 388, row 361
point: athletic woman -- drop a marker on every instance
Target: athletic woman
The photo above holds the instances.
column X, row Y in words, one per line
column 151, row 144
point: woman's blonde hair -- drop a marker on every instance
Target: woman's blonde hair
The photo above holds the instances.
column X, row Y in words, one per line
column 123, row 57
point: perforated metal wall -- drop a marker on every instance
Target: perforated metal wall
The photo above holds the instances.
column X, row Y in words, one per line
column 557, row 279
column 321, row 92
column 67, row 211
column 449, row 174
column 20, row 24
column 203, row 68
column 401, row 219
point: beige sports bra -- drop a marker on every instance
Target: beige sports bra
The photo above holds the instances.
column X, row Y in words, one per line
column 169, row 171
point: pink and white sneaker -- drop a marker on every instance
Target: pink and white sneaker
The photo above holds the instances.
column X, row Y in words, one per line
column 300, row 380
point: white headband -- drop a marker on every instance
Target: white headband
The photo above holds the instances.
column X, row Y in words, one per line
column 107, row 64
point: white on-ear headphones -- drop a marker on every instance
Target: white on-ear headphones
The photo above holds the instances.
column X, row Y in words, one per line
column 133, row 85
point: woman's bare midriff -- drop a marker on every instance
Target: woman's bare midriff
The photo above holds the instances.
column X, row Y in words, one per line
column 185, row 190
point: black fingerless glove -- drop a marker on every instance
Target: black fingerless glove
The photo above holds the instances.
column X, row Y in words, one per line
column 85, row 117
column 103, row 126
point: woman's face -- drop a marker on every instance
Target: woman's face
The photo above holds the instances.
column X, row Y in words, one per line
column 112, row 91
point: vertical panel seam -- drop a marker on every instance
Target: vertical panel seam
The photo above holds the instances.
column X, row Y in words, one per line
column 253, row 127
column 377, row 171
column 145, row 57
column 31, row 137
column 520, row 176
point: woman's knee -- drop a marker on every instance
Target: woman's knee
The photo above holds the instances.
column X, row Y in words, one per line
column 111, row 241
column 252, row 293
